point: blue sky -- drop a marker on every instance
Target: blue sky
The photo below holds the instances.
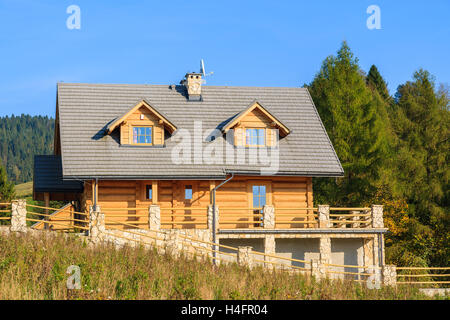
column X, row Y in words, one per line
column 249, row 43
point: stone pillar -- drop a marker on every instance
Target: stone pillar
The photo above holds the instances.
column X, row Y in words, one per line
column 389, row 275
column 96, row 225
column 324, row 216
column 318, row 269
column 376, row 251
column 368, row 251
column 325, row 249
column 377, row 216
column 269, row 217
column 210, row 218
column 269, row 248
column 19, row 216
column 154, row 217
column 244, row 257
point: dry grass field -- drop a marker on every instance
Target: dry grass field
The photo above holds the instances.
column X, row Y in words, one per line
column 35, row 268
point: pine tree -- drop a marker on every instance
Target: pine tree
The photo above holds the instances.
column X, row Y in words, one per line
column 349, row 112
column 376, row 82
column 6, row 188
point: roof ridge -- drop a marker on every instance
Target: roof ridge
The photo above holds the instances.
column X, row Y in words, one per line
column 167, row 85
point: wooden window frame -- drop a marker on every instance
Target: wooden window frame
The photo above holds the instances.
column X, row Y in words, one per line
column 147, row 188
column 255, row 145
column 192, row 192
column 132, row 126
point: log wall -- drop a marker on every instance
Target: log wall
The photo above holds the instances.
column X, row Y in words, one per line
column 234, row 200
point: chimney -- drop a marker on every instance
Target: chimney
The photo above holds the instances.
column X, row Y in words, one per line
column 193, row 83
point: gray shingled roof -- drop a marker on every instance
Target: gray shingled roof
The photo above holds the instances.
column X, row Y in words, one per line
column 85, row 111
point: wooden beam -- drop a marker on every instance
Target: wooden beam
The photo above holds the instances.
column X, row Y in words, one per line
column 212, row 185
column 309, row 200
column 47, row 204
column 155, row 192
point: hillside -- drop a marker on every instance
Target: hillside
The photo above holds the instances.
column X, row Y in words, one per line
column 136, row 273
column 22, row 137
column 24, row 190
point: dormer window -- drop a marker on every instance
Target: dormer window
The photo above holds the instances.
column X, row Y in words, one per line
column 256, row 127
column 255, row 137
column 142, row 125
column 143, row 135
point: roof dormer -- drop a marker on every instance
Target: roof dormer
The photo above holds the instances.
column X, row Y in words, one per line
column 255, row 127
column 142, row 125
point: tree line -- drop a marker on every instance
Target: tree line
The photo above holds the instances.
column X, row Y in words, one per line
column 22, row 137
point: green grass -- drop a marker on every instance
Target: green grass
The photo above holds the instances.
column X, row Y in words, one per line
column 35, row 268
column 24, row 190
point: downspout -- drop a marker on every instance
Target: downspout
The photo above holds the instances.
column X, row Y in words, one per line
column 380, row 250
column 214, row 215
column 95, row 194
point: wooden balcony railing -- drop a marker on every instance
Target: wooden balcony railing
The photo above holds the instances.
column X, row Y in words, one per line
column 270, row 217
column 267, row 217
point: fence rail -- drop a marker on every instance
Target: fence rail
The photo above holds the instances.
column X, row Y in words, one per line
column 422, row 276
column 5, row 213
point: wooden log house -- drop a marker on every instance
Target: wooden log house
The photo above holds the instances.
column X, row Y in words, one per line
column 126, row 147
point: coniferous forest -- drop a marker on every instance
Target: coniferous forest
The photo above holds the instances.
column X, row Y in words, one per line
column 22, row 137
column 394, row 150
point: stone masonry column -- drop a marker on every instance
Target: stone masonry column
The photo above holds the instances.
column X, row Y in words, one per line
column 269, row 248
column 368, row 251
column 389, row 275
column 269, row 217
column 325, row 251
column 96, row 225
column 154, row 217
column 324, row 216
column 215, row 226
column 377, row 216
column 244, row 257
column 19, row 216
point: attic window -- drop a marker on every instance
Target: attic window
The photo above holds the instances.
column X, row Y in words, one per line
column 255, row 137
column 142, row 135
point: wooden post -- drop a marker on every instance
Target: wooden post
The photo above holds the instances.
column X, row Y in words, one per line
column 155, row 192
column 47, row 204
column 212, row 185
column 309, row 199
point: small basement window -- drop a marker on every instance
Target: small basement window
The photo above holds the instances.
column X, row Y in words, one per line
column 148, row 192
column 188, row 192
column 255, row 137
column 142, row 135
